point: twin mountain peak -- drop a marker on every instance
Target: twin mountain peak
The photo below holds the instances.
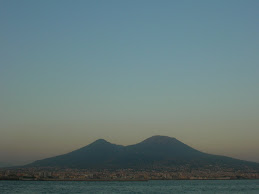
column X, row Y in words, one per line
column 159, row 152
column 156, row 140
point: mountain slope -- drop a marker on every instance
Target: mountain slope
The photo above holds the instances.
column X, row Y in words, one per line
column 93, row 155
column 154, row 152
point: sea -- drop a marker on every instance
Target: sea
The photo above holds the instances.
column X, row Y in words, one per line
column 155, row 186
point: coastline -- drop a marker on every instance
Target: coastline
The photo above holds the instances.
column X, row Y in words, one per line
column 127, row 180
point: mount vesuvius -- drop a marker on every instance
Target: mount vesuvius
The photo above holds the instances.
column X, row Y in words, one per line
column 153, row 153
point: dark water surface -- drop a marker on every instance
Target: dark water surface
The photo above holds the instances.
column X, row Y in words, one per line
column 169, row 186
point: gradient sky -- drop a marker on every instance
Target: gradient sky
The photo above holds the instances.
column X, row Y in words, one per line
column 72, row 72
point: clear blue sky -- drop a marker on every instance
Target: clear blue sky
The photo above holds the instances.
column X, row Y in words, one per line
column 75, row 71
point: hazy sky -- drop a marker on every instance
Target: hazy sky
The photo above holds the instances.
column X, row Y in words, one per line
column 72, row 72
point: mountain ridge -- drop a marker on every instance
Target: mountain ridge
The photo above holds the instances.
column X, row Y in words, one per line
column 153, row 152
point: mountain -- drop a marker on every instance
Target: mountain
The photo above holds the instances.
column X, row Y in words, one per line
column 154, row 152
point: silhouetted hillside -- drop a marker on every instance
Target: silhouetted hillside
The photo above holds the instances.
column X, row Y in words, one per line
column 154, row 152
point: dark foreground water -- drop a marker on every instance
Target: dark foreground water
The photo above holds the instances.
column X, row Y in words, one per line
column 172, row 186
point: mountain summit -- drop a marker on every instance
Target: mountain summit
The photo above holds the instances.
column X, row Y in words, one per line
column 158, row 139
column 154, row 152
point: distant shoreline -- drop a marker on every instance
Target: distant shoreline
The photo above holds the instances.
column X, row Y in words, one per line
column 126, row 180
